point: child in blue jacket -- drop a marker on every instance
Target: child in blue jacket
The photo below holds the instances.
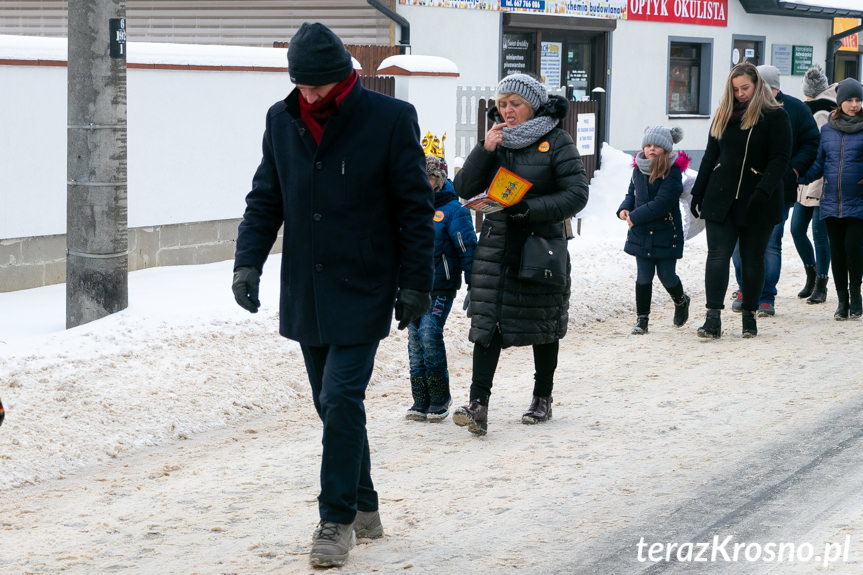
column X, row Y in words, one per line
column 455, row 240
column 651, row 208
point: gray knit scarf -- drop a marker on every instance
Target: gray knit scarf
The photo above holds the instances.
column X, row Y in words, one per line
column 645, row 163
column 526, row 133
column 847, row 124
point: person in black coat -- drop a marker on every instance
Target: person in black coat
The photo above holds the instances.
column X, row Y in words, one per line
column 739, row 190
column 652, row 211
column 344, row 172
column 508, row 310
column 804, row 146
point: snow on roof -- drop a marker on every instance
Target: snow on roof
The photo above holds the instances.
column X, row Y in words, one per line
column 838, row 4
column 412, row 63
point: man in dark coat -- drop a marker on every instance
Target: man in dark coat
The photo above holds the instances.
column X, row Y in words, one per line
column 805, row 137
column 344, row 172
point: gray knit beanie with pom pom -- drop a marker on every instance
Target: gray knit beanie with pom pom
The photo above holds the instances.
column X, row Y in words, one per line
column 661, row 136
column 814, row 81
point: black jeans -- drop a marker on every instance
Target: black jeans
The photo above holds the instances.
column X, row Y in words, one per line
column 339, row 375
column 721, row 238
column 485, row 364
column 846, row 252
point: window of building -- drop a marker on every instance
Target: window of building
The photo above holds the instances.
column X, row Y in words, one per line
column 689, row 77
column 747, row 49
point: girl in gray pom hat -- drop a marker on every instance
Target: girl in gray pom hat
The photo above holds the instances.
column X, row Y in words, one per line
column 651, row 209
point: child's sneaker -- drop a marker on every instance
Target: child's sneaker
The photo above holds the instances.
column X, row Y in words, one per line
column 737, row 304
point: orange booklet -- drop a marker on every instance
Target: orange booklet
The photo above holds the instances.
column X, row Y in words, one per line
column 506, row 189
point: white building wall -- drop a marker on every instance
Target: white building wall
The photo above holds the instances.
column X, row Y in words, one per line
column 469, row 38
column 639, row 69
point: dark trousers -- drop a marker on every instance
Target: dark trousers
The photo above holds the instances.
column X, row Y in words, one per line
column 846, row 252
column 485, row 364
column 339, row 376
column 666, row 269
column 426, row 348
column 721, row 238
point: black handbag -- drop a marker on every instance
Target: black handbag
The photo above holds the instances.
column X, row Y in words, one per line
column 543, row 260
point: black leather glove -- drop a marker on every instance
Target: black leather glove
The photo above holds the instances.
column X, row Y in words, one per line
column 756, row 201
column 466, row 305
column 517, row 213
column 410, row 305
column 246, row 282
column 695, row 206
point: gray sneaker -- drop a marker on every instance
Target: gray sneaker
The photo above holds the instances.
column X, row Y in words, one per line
column 766, row 310
column 737, row 304
column 367, row 525
column 331, row 544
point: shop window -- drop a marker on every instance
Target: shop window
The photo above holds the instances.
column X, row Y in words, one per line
column 747, row 49
column 689, row 78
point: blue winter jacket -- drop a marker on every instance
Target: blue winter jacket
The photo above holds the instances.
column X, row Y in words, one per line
column 654, row 210
column 454, row 241
column 840, row 161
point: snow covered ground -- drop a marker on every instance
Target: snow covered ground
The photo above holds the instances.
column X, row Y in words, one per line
column 178, row 436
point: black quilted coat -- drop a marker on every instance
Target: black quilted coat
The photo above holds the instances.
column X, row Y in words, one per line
column 527, row 313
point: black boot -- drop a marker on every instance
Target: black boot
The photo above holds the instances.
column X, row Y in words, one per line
column 420, row 391
column 474, row 415
column 810, row 282
column 643, row 295
column 855, row 304
column 539, row 410
column 712, row 327
column 819, row 294
column 750, row 329
column 681, row 304
column 440, row 399
column 842, row 309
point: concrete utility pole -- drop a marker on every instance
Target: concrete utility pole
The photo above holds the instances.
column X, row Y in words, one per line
column 97, row 241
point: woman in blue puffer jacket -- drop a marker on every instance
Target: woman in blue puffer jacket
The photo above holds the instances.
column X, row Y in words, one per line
column 840, row 162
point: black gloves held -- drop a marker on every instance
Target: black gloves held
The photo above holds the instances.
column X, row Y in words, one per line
column 246, row 282
column 410, row 305
column 757, row 200
column 517, row 213
column 695, row 206
column 466, row 305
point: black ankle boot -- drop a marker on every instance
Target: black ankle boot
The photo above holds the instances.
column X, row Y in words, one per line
column 420, row 392
column 712, row 327
column 681, row 304
column 643, row 295
column 810, row 282
column 439, row 397
column 855, row 303
column 474, row 415
column 750, row 328
column 819, row 294
column 539, row 410
column 842, row 309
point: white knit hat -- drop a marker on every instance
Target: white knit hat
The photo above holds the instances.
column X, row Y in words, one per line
column 532, row 90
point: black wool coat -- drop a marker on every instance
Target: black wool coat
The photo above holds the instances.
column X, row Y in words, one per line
column 741, row 174
column 805, row 137
column 357, row 211
column 527, row 313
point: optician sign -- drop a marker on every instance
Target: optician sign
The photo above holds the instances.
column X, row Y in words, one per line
column 704, row 12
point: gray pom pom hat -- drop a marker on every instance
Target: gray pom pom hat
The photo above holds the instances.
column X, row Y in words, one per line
column 661, row 136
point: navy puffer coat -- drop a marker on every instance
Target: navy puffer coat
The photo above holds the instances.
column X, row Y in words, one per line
column 654, row 210
column 527, row 313
column 840, row 161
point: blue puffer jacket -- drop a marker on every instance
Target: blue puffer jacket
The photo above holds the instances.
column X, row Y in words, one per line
column 654, row 210
column 840, row 161
column 454, row 241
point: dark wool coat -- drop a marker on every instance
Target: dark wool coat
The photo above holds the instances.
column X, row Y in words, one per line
column 840, row 161
column 654, row 210
column 357, row 213
column 804, row 142
column 527, row 313
column 454, row 241
column 741, row 175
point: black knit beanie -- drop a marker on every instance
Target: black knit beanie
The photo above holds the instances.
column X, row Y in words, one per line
column 316, row 56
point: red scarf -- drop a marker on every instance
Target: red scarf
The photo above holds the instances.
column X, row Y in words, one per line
column 315, row 115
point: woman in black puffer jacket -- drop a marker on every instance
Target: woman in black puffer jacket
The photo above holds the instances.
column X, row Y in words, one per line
column 505, row 310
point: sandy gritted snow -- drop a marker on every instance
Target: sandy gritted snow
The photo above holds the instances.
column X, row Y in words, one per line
column 178, row 436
